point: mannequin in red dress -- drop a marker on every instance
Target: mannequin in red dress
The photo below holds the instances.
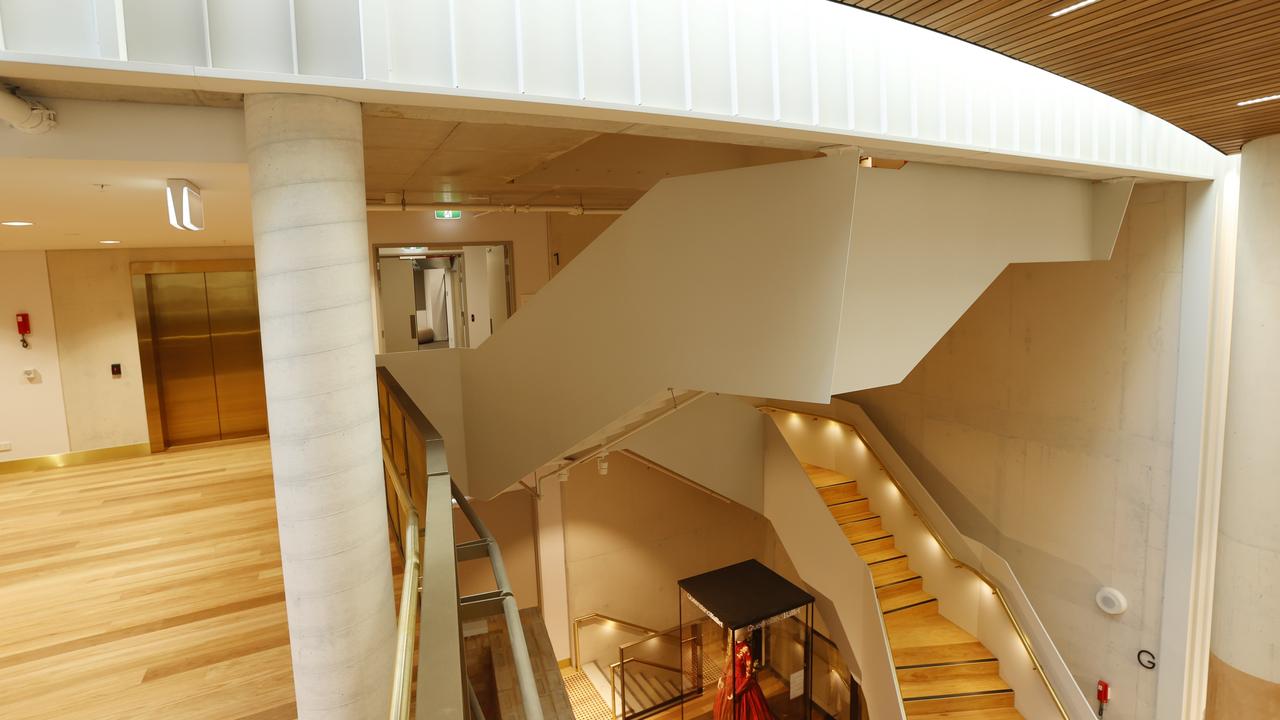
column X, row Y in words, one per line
column 745, row 696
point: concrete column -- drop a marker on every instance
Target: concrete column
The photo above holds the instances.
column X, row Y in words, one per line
column 306, row 172
column 1244, row 668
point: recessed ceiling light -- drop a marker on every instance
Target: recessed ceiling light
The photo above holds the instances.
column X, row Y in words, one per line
column 17, row 223
column 108, row 242
column 1072, row 8
column 1242, row 103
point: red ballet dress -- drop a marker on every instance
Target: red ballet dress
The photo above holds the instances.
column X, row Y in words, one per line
column 747, row 698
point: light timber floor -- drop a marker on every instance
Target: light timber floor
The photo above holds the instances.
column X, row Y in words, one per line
column 144, row 588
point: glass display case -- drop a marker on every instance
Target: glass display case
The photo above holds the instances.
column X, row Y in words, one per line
column 747, row 645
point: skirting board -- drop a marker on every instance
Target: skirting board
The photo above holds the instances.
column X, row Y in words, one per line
column 82, row 457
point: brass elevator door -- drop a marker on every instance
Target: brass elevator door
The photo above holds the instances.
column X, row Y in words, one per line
column 207, row 355
column 237, row 353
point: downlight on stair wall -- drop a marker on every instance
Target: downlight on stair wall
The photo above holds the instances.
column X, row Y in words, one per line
column 17, row 223
column 186, row 209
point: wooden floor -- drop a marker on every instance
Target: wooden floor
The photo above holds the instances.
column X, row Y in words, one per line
column 943, row 671
column 144, row 588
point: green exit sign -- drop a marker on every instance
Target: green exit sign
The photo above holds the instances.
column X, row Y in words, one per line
column 448, row 214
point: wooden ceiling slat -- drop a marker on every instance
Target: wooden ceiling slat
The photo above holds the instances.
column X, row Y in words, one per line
column 1188, row 50
column 1187, row 61
column 1140, row 43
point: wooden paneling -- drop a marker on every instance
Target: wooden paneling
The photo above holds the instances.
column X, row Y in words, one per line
column 1187, row 61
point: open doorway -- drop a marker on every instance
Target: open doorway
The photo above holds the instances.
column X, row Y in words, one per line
column 442, row 296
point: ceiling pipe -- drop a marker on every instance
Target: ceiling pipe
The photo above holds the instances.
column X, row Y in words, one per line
column 26, row 115
column 513, row 209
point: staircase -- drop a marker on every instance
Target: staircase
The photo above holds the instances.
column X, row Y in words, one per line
column 648, row 689
column 944, row 673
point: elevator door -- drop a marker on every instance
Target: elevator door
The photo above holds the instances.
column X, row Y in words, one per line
column 208, row 355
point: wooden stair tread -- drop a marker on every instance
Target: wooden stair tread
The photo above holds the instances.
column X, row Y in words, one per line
column 863, row 530
column 843, row 492
column 920, row 636
column 892, row 571
column 949, row 680
column 894, row 598
column 990, row 705
column 988, row 714
column 875, row 550
column 852, row 510
column 823, row 477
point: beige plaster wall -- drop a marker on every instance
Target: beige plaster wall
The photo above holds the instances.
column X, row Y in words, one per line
column 1042, row 422
column 32, row 419
column 93, row 303
column 632, row 534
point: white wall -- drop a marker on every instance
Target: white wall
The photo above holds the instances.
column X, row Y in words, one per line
column 32, row 418
column 1042, row 423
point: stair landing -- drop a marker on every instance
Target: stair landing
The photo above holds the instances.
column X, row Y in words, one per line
column 944, row 673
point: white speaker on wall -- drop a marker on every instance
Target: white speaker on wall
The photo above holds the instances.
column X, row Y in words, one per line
column 1111, row 601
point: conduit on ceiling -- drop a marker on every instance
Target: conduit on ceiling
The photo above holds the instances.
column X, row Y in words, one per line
column 26, row 115
column 513, row 209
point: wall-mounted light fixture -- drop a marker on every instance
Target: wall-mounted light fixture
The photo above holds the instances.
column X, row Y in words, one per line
column 186, row 209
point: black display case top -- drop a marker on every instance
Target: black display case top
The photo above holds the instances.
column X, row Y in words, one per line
column 745, row 595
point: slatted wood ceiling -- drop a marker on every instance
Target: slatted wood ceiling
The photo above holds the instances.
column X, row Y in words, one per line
column 1187, row 61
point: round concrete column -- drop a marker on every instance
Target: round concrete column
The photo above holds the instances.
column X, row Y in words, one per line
column 1244, row 669
column 306, row 173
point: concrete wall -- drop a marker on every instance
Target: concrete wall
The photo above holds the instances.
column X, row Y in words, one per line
column 511, row 519
column 1042, row 422
column 1244, row 670
column 32, row 420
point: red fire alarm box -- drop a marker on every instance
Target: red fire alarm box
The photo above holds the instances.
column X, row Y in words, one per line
column 24, row 324
column 1104, row 692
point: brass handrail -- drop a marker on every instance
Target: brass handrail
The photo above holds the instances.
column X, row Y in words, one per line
column 578, row 622
column 614, row 695
column 402, row 682
column 924, row 519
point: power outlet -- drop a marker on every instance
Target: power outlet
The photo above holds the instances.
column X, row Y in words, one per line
column 6, row 446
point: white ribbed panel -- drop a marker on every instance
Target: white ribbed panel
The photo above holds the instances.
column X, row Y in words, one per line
column 811, row 65
column 311, row 247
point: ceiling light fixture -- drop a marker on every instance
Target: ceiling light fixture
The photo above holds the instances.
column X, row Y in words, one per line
column 17, row 223
column 108, row 242
column 1242, row 103
column 1072, row 8
column 186, row 209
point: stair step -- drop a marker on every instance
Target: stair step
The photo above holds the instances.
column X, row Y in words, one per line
column 1002, row 713
column 920, row 636
column 878, row 550
column 639, row 692
column 947, row 680
column 852, row 510
column 823, row 477
column 994, row 706
column 864, row 530
column 892, row 571
column 844, row 492
column 903, row 595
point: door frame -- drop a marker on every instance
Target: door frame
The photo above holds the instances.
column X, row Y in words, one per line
column 138, row 272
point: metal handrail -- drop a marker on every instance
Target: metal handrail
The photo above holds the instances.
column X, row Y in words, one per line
column 529, row 698
column 578, row 622
column 937, row 536
column 402, row 682
column 615, row 696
